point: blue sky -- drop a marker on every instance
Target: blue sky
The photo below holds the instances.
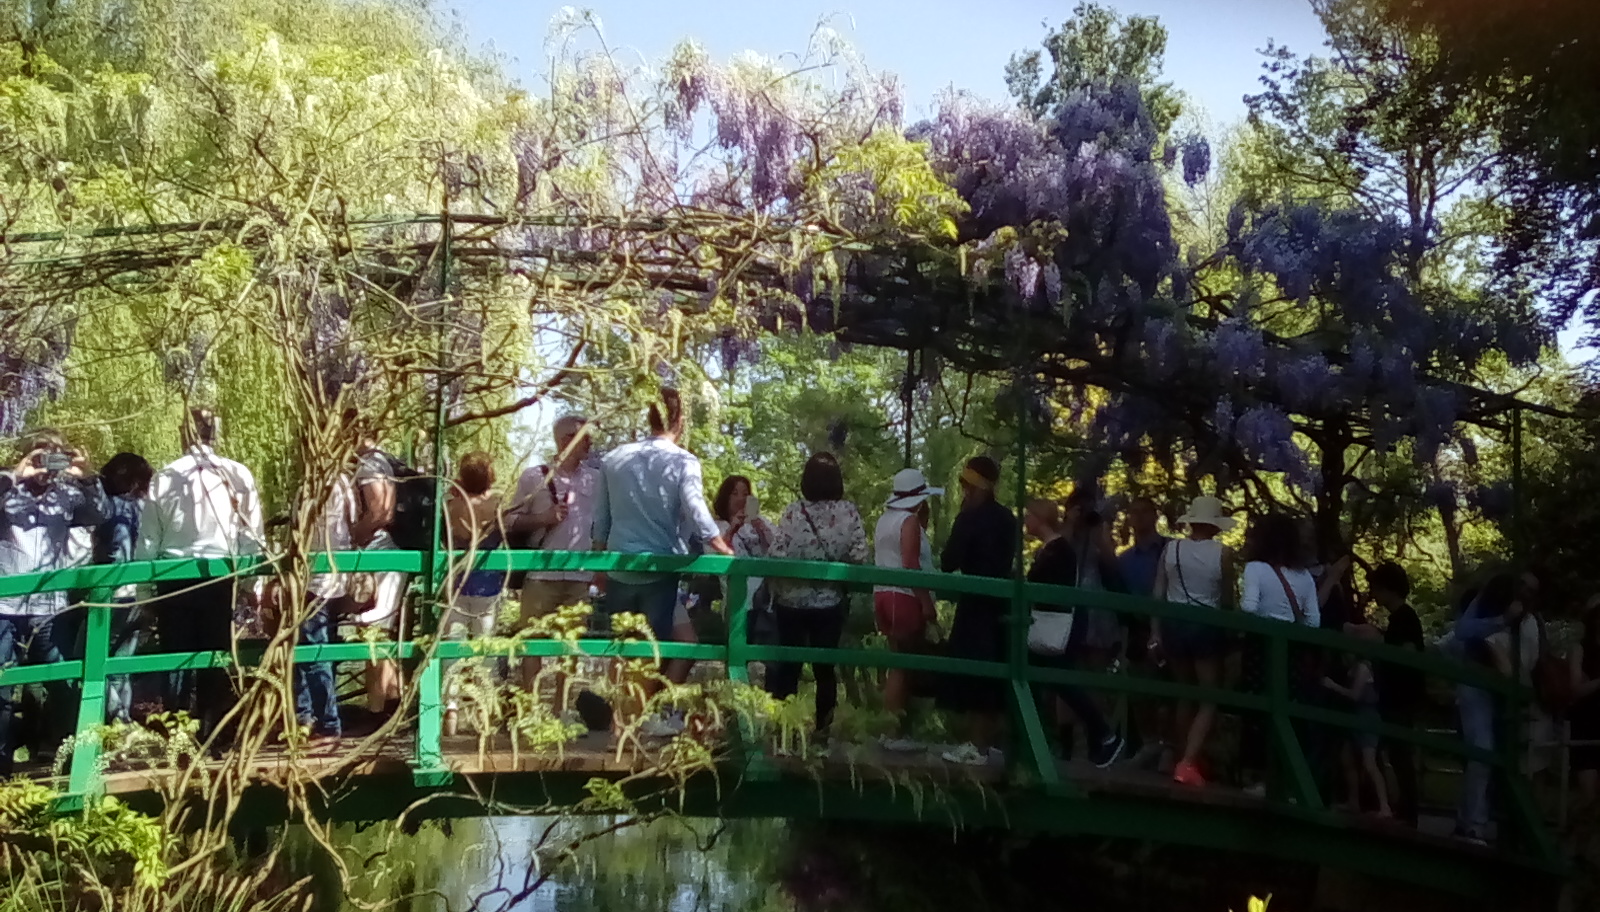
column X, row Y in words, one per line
column 932, row 44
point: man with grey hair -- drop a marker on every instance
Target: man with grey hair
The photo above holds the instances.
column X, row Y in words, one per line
column 554, row 510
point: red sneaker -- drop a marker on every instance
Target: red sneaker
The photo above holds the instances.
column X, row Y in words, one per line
column 1187, row 773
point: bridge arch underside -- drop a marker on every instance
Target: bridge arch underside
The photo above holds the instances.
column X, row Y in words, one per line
column 1152, row 814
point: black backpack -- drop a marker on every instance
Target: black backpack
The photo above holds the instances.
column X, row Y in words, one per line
column 415, row 503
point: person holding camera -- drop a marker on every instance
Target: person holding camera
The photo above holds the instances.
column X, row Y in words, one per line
column 49, row 493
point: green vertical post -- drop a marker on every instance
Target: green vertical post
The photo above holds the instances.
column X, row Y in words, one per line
column 1028, row 735
column 1301, row 785
column 92, row 702
column 429, row 762
column 1518, row 536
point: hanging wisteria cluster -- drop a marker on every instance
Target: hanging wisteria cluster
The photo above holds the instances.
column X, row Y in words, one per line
column 1322, row 338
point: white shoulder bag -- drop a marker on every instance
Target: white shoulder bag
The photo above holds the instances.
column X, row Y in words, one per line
column 1049, row 631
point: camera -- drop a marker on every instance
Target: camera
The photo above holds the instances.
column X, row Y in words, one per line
column 56, row 462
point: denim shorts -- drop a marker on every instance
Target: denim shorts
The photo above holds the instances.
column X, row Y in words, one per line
column 657, row 601
column 1187, row 641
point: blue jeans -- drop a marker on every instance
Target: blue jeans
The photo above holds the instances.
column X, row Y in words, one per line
column 26, row 640
column 316, row 697
column 1477, row 730
column 657, row 601
column 126, row 627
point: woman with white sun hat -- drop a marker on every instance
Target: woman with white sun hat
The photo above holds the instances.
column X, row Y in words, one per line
column 1197, row 571
column 903, row 615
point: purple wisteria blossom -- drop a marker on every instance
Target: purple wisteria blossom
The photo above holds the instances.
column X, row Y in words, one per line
column 1196, row 160
column 1266, row 435
column 1240, row 351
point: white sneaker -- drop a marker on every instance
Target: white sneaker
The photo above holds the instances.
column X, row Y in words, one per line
column 966, row 755
column 662, row 726
column 901, row 745
column 1259, row 790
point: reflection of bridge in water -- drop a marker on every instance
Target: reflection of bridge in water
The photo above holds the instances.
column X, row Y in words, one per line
column 420, row 773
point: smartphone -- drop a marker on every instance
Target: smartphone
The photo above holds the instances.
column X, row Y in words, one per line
column 752, row 508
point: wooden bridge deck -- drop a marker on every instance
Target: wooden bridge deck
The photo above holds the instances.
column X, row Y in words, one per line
column 598, row 754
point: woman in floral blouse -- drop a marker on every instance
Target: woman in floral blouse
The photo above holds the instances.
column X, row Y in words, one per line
column 821, row 526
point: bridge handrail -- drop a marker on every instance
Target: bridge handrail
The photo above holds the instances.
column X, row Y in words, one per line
column 1291, row 778
column 111, row 576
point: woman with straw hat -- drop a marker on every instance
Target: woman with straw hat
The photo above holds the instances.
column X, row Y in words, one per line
column 1197, row 571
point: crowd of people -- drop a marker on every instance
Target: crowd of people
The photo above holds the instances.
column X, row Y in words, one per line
column 648, row 497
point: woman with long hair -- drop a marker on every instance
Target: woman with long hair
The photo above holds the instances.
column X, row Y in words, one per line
column 1276, row 585
column 473, row 523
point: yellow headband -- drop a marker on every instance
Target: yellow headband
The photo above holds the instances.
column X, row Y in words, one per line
column 977, row 481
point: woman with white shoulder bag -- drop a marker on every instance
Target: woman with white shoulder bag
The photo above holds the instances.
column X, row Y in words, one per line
column 1055, row 638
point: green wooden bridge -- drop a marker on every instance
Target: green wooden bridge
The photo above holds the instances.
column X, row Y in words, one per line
column 422, row 773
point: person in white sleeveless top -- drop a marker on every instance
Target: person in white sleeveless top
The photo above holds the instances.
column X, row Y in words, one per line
column 903, row 615
column 1197, row 571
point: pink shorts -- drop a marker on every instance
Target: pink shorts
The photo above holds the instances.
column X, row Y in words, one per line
column 899, row 615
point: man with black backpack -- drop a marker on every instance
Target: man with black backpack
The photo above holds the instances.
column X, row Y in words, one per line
column 394, row 511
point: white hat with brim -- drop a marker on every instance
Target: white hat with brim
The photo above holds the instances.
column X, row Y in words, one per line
column 910, row 490
column 1207, row 511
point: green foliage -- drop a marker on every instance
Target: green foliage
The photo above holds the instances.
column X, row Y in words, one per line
column 1097, row 46
column 903, row 191
column 109, row 843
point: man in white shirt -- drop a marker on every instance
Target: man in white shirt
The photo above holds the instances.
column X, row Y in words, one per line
column 316, row 694
column 206, row 506
column 556, row 504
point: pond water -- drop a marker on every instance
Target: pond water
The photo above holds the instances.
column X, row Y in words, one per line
column 496, row 865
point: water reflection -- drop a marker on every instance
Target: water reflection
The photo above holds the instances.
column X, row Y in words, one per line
column 514, row 864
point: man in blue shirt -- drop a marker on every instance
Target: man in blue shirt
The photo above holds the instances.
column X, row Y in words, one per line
column 650, row 500
column 1138, row 563
column 1502, row 602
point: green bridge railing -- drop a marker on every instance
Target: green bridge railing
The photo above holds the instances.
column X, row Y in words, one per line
column 1292, row 788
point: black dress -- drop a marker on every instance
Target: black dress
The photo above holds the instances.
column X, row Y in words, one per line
column 982, row 543
column 1585, row 715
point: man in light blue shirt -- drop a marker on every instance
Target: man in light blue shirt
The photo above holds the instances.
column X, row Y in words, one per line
column 650, row 499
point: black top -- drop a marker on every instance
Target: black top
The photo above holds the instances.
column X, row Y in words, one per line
column 982, row 543
column 1402, row 687
column 1054, row 565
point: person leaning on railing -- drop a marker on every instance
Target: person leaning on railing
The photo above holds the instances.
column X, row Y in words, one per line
column 49, row 493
